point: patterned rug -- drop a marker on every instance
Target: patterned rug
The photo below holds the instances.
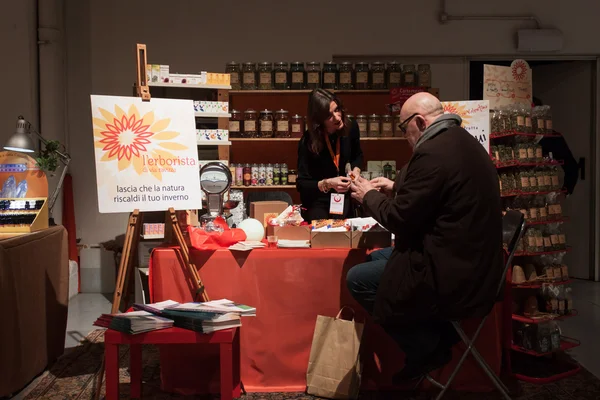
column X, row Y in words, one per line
column 72, row 377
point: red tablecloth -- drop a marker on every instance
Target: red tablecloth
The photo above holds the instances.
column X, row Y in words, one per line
column 289, row 288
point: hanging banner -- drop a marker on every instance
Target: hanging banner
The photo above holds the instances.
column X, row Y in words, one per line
column 475, row 118
column 504, row 86
column 399, row 95
column 20, row 176
column 146, row 154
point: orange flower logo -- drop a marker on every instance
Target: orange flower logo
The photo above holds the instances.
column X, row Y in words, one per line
column 127, row 137
column 458, row 109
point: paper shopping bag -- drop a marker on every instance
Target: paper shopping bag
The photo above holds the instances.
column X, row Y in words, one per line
column 334, row 368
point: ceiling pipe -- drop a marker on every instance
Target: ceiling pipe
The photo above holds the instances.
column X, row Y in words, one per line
column 445, row 17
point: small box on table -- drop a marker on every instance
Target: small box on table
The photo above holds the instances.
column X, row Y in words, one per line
column 331, row 240
column 264, row 210
column 289, row 232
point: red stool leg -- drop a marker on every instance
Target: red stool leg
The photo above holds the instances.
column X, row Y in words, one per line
column 226, row 361
column 111, row 361
column 135, row 368
column 237, row 382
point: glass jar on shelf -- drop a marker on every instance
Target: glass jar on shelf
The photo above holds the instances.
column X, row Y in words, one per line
column 409, row 75
column 362, row 76
column 531, row 147
column 424, row 75
column 495, row 154
column 265, row 76
column 297, row 126
column 282, row 76
column 262, row 174
column 540, row 203
column 235, row 124
column 387, row 123
column 533, row 187
column 394, row 74
column 284, row 174
column 234, row 70
column 346, row 76
column 548, row 120
column 541, row 183
column 330, row 75
column 292, row 176
column 250, row 124
column 523, row 181
column 554, row 178
column 313, row 75
column 377, row 75
column 528, row 122
column 282, row 122
column 521, row 153
column 266, row 124
column 538, row 124
column 249, row 76
column 362, row 122
column 374, row 125
column 397, row 122
column 298, row 76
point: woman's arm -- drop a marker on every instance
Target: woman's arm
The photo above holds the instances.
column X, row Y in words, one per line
column 356, row 154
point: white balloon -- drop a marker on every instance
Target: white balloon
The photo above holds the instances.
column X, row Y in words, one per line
column 254, row 229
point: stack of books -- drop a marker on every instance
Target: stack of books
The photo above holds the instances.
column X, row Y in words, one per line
column 133, row 322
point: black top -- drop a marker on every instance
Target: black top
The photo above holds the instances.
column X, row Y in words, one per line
column 312, row 168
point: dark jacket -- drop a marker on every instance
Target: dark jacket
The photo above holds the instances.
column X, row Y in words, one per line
column 312, row 168
column 446, row 216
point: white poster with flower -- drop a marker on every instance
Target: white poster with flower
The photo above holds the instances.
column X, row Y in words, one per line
column 146, row 154
column 475, row 118
column 503, row 86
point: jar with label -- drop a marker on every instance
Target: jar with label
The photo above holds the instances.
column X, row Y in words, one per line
column 232, row 172
column 522, row 153
column 292, row 177
column 284, row 174
column 523, row 181
column 396, row 125
column 548, row 119
column 313, row 75
column 265, row 76
column 282, row 76
column 235, row 75
column 254, row 175
column 298, row 76
column 409, row 75
column 424, row 74
column 297, row 126
column 250, row 124
column 539, row 155
column 269, row 179
column 234, row 124
column 346, row 76
column 330, row 75
column 528, row 121
column 361, row 121
column 276, row 174
column 374, row 125
column 531, row 152
column 362, row 76
column 540, row 203
column 532, row 181
column 377, row 75
column 262, row 174
column 554, row 177
column 387, row 123
column 247, row 175
column 266, row 124
column 249, row 76
column 541, row 184
column 394, row 74
column 239, row 175
column 282, row 121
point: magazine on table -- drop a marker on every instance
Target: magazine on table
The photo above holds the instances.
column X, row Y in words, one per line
column 222, row 306
column 133, row 322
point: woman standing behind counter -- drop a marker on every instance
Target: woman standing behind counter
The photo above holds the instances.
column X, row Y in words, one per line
column 330, row 143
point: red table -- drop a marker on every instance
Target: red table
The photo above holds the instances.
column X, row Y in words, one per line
column 229, row 351
column 289, row 288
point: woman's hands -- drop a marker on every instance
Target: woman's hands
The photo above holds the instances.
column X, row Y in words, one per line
column 340, row 184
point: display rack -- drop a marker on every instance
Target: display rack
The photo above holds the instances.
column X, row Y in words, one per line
column 31, row 216
column 521, row 360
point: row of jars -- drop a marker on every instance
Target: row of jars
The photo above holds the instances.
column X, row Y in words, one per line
column 530, row 180
column 521, row 118
column 540, row 208
column 521, row 152
column 344, row 76
column 266, row 124
column 549, row 238
column 262, row 174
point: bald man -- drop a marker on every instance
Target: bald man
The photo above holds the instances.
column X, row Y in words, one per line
column 445, row 212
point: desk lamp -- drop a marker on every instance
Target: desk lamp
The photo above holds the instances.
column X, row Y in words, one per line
column 22, row 141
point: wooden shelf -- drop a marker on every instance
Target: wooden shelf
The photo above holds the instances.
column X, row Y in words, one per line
column 211, row 115
column 565, row 344
column 188, row 85
column 541, row 320
column 515, row 163
column 547, row 222
column 297, row 139
column 213, row 143
column 306, row 91
column 272, row 187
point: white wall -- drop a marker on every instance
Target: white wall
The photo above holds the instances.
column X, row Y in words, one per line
column 193, row 35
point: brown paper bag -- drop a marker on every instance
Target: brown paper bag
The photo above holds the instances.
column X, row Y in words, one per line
column 334, row 367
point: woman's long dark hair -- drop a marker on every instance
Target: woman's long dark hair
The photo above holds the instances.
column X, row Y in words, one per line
column 318, row 112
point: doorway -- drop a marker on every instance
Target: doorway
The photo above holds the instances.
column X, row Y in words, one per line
column 569, row 87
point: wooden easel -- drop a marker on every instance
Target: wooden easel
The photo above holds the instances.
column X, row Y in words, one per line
column 134, row 229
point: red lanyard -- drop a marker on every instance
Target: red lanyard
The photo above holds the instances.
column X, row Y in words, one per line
column 335, row 157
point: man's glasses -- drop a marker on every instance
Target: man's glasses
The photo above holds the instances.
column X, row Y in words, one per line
column 402, row 126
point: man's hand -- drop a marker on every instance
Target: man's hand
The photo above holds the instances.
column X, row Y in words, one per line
column 360, row 187
column 340, row 184
column 384, row 185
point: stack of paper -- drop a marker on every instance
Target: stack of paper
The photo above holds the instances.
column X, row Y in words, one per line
column 155, row 308
column 247, row 246
column 293, row 244
column 133, row 322
column 205, row 322
column 222, row 306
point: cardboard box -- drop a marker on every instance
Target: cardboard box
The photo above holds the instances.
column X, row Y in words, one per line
column 261, row 210
column 331, row 240
column 371, row 240
column 289, row 232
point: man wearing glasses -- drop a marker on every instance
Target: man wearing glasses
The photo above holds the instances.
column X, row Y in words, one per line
column 445, row 213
